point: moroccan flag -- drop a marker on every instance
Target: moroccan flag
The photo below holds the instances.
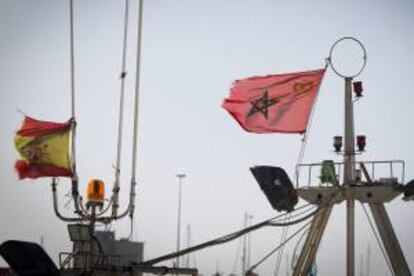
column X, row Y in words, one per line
column 44, row 149
column 274, row 103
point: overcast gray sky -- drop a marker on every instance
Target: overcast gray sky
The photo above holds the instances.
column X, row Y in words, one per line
column 192, row 51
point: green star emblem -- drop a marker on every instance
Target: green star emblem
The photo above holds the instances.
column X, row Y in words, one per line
column 261, row 105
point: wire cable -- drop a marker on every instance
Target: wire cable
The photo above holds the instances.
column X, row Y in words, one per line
column 378, row 240
column 280, row 253
column 306, row 133
column 294, row 255
column 234, row 235
column 279, row 246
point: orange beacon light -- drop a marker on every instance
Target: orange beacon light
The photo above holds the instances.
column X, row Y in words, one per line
column 96, row 193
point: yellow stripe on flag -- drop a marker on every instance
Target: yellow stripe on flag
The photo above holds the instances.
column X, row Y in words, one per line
column 47, row 149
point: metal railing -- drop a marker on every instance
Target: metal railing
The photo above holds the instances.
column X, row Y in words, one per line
column 377, row 169
column 100, row 263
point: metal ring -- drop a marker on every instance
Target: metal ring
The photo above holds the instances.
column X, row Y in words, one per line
column 364, row 57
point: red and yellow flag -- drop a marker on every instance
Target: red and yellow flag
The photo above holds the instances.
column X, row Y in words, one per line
column 44, row 149
column 274, row 103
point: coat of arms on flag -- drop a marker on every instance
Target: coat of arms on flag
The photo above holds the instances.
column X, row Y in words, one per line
column 44, row 149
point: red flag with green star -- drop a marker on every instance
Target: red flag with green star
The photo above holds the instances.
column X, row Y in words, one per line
column 274, row 103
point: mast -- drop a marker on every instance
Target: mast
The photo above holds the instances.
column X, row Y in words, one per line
column 349, row 172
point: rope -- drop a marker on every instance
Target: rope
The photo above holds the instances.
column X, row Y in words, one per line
column 278, row 247
column 294, row 255
column 217, row 241
column 306, row 133
column 280, row 253
column 232, row 236
column 378, row 240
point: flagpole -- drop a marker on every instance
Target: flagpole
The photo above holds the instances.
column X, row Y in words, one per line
column 75, row 181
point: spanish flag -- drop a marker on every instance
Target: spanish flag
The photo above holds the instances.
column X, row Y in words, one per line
column 44, row 149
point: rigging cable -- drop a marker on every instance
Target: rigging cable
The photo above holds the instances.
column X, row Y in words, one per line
column 306, row 134
column 280, row 253
column 378, row 240
column 223, row 239
column 294, row 255
column 234, row 235
column 279, row 246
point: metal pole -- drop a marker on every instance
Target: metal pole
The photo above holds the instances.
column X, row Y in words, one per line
column 349, row 171
column 180, row 181
column 75, row 191
column 187, row 261
column 249, row 242
column 244, row 247
column 116, row 188
column 136, row 109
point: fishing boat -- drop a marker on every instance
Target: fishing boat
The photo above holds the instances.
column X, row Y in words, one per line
column 324, row 185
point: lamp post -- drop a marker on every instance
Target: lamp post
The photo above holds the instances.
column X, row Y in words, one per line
column 180, row 182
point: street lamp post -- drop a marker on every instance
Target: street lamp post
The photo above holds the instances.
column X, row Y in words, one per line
column 180, row 181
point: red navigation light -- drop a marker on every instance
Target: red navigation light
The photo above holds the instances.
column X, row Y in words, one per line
column 337, row 143
column 361, row 142
column 358, row 88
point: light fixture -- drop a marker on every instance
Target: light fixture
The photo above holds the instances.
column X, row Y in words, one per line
column 337, row 143
column 277, row 187
column 361, row 142
column 358, row 88
column 96, row 193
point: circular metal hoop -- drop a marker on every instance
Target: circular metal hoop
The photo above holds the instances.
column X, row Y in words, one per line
column 364, row 57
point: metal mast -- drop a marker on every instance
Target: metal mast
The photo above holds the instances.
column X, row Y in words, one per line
column 349, row 172
column 374, row 193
